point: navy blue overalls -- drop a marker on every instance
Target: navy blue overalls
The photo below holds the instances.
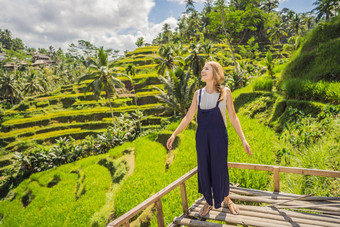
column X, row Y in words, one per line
column 212, row 154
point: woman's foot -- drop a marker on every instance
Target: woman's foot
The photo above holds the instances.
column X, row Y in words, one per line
column 232, row 206
column 205, row 210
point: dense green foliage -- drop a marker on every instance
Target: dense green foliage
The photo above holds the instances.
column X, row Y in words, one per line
column 313, row 71
column 289, row 113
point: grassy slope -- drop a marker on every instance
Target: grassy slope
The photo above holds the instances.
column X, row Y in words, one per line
column 313, row 70
column 318, row 56
column 148, row 177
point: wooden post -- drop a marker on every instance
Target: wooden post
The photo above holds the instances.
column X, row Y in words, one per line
column 184, row 200
column 276, row 176
column 127, row 224
column 159, row 209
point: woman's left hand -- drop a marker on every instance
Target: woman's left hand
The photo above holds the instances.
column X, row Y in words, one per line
column 246, row 147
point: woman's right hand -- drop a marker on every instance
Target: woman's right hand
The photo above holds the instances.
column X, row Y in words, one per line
column 170, row 141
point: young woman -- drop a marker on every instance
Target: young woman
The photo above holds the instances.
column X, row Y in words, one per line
column 212, row 137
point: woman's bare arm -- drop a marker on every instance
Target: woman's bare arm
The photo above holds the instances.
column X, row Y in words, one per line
column 233, row 117
column 236, row 122
column 188, row 117
column 185, row 121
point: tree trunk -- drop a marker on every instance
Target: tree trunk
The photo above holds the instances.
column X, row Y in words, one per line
column 108, row 96
column 134, row 90
column 220, row 2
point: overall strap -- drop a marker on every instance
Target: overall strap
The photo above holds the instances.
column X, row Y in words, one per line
column 218, row 99
column 199, row 101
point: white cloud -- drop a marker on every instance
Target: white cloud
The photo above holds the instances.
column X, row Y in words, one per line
column 110, row 23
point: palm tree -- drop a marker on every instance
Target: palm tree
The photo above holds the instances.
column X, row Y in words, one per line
column 296, row 23
column 269, row 5
column 166, row 59
column 276, row 32
column 9, row 86
column 196, row 60
column 178, row 90
column 269, row 64
column 209, row 49
column 104, row 77
column 189, row 6
column 307, row 21
column 131, row 70
column 33, row 83
column 140, row 41
column 221, row 4
column 179, row 50
column 324, row 8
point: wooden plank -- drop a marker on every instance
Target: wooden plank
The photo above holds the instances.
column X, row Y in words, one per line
column 184, row 199
column 280, row 195
column 173, row 224
column 314, row 172
column 291, row 203
column 240, row 165
column 285, row 169
column 292, row 199
column 307, row 206
column 246, row 220
column 159, row 211
column 193, row 222
column 279, row 216
column 310, row 216
column 333, row 213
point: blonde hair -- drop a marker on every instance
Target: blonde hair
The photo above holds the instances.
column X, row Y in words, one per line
column 218, row 75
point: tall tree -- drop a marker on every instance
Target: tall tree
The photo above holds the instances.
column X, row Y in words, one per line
column 221, row 6
column 34, row 84
column 325, row 8
column 140, row 41
column 210, row 50
column 189, row 6
column 179, row 91
column 276, row 32
column 166, row 59
column 196, row 60
column 269, row 5
column 10, row 86
column 131, row 71
column 296, row 24
column 104, row 77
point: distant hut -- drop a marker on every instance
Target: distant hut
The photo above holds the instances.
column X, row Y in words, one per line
column 2, row 56
column 10, row 66
column 42, row 59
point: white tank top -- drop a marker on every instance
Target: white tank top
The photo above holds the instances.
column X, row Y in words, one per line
column 208, row 101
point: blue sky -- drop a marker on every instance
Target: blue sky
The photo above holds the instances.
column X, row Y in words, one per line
column 113, row 24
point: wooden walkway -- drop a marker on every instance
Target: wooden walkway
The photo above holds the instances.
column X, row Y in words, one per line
column 257, row 208
column 271, row 209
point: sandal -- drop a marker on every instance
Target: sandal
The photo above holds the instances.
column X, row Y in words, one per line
column 228, row 205
column 202, row 209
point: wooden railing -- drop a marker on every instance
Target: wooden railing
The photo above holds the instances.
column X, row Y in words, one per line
column 156, row 198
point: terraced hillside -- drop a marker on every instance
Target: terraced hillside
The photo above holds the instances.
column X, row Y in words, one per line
column 68, row 112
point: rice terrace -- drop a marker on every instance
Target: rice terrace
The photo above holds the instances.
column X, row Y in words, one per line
column 91, row 93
